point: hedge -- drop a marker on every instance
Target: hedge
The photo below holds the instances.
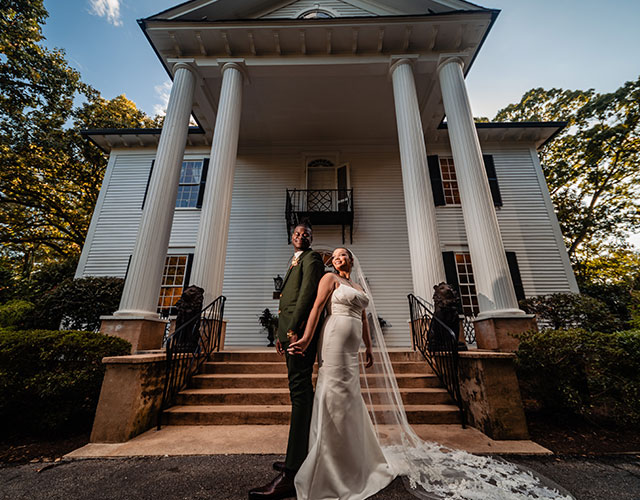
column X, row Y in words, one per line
column 50, row 380
column 77, row 303
column 592, row 374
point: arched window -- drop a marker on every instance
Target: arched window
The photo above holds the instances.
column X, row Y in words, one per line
column 320, row 162
column 315, row 14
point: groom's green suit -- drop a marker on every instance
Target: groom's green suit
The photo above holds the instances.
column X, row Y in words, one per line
column 296, row 300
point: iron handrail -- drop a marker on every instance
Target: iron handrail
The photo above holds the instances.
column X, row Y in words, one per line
column 439, row 346
column 188, row 348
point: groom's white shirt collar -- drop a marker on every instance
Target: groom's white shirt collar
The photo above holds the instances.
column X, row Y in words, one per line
column 297, row 254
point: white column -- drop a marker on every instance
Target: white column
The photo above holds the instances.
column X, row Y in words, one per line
column 424, row 244
column 142, row 288
column 496, row 296
column 211, row 246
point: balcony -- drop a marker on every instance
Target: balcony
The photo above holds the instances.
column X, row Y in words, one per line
column 321, row 207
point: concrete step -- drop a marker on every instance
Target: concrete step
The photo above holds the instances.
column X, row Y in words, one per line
column 274, row 380
column 256, row 356
column 262, row 367
column 280, row 414
column 280, row 396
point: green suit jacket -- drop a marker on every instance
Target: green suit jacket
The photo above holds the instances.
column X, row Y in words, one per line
column 299, row 291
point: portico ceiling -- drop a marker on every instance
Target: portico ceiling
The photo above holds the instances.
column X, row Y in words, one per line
column 319, row 80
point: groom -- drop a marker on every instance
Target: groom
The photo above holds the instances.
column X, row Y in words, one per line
column 296, row 300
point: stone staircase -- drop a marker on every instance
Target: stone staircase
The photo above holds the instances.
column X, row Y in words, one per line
column 251, row 387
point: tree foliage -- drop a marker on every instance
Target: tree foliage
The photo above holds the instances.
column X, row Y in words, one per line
column 592, row 167
column 50, row 176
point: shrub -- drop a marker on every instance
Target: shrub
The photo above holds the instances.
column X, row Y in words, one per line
column 592, row 374
column 572, row 310
column 78, row 303
column 50, row 380
column 15, row 313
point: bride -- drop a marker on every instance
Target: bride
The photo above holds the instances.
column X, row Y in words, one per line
column 354, row 451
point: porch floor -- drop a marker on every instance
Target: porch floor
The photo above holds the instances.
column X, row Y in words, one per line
column 176, row 440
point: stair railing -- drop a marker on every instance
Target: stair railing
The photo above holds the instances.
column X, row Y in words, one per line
column 439, row 346
column 188, row 348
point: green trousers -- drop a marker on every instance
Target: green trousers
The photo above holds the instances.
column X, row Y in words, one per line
column 300, row 370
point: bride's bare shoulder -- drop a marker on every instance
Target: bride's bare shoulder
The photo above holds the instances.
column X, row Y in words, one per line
column 329, row 279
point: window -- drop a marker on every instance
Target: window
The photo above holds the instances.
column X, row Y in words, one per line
column 173, row 281
column 444, row 183
column 189, row 188
column 449, row 181
column 315, row 14
column 467, row 284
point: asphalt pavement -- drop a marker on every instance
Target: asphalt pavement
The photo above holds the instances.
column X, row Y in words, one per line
column 229, row 477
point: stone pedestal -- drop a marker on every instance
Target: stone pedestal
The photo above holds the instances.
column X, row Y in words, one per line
column 498, row 332
column 130, row 397
column 491, row 394
column 142, row 332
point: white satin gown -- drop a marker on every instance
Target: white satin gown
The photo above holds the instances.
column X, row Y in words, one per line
column 345, row 461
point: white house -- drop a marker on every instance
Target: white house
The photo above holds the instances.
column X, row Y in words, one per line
column 352, row 112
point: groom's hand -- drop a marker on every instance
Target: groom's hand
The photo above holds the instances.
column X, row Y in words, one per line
column 279, row 348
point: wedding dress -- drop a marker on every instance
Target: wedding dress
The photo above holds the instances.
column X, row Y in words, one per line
column 355, row 451
column 345, row 460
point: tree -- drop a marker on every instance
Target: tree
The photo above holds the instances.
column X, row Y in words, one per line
column 592, row 167
column 50, row 176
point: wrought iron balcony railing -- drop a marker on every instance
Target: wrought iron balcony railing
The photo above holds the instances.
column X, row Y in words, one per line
column 321, row 207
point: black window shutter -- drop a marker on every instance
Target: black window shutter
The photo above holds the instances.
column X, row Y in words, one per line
column 187, row 271
column 450, row 269
column 493, row 179
column 436, row 180
column 203, row 181
column 514, row 270
column 451, row 273
column 146, row 189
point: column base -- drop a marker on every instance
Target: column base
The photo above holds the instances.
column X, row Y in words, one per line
column 130, row 397
column 491, row 394
column 496, row 333
column 143, row 333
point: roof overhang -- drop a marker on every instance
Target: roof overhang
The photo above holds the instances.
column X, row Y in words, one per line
column 323, row 72
column 538, row 133
column 110, row 138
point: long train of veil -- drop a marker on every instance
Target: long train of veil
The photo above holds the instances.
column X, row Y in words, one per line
column 429, row 470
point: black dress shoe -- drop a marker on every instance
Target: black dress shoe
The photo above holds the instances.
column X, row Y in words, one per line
column 279, row 466
column 282, row 486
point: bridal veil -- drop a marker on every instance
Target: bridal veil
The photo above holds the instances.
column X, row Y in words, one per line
column 429, row 470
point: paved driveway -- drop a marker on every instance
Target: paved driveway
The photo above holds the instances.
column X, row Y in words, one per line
column 229, row 477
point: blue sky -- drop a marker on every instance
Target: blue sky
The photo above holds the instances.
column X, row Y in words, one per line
column 574, row 44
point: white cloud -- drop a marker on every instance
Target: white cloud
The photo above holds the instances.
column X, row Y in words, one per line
column 107, row 8
column 162, row 93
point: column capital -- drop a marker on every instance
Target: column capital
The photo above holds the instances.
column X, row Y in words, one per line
column 397, row 61
column 237, row 64
column 444, row 60
column 185, row 65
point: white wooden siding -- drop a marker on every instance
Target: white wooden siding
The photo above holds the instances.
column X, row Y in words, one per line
column 115, row 222
column 258, row 250
column 294, row 9
column 526, row 224
column 257, row 246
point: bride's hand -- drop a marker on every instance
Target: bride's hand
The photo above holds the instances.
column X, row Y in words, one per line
column 299, row 346
column 368, row 358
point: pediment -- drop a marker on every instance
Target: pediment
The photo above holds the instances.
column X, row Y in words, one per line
column 228, row 10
